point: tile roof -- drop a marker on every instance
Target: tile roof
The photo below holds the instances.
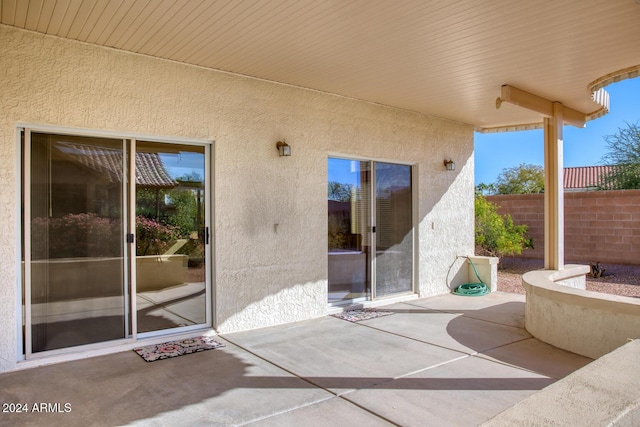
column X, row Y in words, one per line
column 150, row 171
column 586, row 177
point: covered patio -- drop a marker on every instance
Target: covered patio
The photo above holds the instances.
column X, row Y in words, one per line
column 446, row 360
column 398, row 83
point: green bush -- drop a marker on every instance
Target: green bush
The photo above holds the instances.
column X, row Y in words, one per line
column 497, row 235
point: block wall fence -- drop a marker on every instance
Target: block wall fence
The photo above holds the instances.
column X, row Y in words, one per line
column 600, row 226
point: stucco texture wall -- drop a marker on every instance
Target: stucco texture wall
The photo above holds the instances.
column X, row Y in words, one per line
column 270, row 213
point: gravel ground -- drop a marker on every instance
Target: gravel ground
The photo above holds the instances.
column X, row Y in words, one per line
column 617, row 279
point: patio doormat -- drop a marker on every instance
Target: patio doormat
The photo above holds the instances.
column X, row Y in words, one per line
column 361, row 314
column 151, row 353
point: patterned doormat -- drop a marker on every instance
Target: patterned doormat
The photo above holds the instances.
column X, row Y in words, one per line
column 361, row 314
column 166, row 350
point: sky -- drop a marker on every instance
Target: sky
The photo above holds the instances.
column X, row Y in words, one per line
column 582, row 146
column 183, row 163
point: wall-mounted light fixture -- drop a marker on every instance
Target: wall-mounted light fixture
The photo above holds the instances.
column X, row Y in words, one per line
column 283, row 148
column 449, row 165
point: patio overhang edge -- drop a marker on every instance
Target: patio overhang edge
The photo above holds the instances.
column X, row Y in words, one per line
column 598, row 95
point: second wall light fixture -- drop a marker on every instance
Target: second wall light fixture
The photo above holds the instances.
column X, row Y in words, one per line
column 449, row 165
column 283, row 148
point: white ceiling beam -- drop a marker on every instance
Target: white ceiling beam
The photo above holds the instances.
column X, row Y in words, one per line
column 540, row 105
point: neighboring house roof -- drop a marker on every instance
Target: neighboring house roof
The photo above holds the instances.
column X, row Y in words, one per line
column 586, row 177
column 443, row 58
column 150, row 171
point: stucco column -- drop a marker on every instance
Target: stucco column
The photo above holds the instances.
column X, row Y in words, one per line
column 553, row 190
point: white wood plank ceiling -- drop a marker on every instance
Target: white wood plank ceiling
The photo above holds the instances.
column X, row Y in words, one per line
column 440, row 57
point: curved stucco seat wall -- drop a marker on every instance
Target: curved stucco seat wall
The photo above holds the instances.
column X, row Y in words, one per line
column 588, row 323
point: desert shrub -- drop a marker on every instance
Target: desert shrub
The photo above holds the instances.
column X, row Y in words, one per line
column 495, row 234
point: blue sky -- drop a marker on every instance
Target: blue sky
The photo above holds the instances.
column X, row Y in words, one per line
column 183, row 163
column 582, row 146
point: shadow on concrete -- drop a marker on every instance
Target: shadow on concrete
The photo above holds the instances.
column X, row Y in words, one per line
column 480, row 331
column 118, row 388
column 233, row 386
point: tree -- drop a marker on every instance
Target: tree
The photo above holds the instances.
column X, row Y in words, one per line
column 483, row 189
column 182, row 212
column 522, row 179
column 338, row 191
column 495, row 234
column 624, row 155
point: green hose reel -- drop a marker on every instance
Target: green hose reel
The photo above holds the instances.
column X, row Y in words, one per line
column 472, row 289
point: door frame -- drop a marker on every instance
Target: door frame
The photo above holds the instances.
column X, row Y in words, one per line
column 131, row 220
column 372, row 235
column 23, row 245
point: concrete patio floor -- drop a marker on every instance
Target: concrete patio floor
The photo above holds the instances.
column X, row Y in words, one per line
column 446, row 360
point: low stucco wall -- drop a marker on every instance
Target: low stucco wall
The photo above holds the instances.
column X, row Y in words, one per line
column 156, row 272
column 487, row 269
column 76, row 278
column 462, row 271
column 587, row 323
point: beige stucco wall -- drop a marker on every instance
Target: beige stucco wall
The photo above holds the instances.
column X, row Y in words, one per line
column 560, row 312
column 270, row 213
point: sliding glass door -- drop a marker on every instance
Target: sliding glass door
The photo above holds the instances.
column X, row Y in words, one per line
column 76, row 249
column 370, row 230
column 349, row 200
column 171, row 236
column 115, row 239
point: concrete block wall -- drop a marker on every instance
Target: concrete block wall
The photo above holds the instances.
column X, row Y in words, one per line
column 600, row 226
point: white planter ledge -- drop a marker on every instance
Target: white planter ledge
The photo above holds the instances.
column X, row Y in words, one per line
column 560, row 312
column 487, row 268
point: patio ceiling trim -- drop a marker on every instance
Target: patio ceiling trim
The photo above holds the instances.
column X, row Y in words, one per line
column 555, row 115
column 597, row 88
column 533, row 102
column 617, row 76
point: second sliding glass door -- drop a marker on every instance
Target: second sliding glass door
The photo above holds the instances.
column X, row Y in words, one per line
column 370, row 230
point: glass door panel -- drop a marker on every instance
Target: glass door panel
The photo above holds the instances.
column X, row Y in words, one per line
column 394, row 229
column 75, row 218
column 349, row 227
column 170, row 236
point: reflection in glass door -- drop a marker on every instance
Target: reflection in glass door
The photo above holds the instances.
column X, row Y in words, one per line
column 115, row 239
column 171, row 236
column 370, row 243
column 349, row 199
column 74, row 241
